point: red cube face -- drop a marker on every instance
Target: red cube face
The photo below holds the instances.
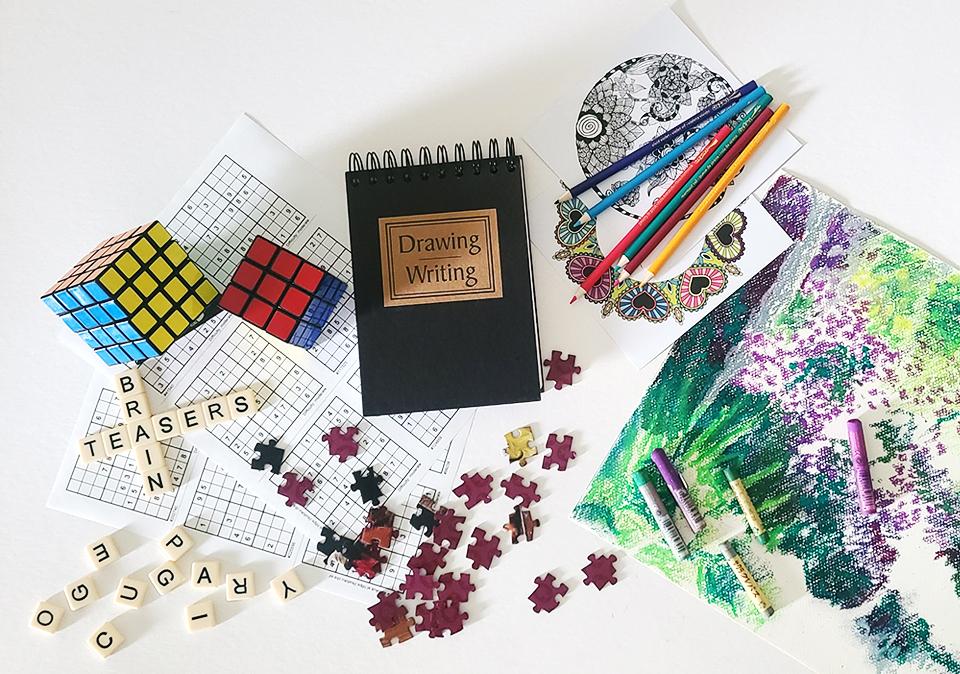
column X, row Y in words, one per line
column 272, row 288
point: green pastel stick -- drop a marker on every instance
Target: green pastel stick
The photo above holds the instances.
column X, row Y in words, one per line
column 691, row 184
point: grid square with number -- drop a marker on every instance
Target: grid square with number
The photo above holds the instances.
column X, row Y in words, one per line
column 284, row 390
column 116, row 480
column 340, row 333
column 223, row 215
column 160, row 372
column 222, row 507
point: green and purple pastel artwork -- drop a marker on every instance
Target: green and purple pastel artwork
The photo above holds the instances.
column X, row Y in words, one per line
column 852, row 322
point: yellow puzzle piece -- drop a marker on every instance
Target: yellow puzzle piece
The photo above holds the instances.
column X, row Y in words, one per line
column 520, row 445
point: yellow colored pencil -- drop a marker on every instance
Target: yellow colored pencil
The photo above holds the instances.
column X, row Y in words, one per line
column 712, row 195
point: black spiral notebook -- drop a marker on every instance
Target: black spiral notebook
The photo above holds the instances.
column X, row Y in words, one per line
column 443, row 280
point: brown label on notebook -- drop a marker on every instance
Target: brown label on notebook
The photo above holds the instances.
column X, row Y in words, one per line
column 440, row 257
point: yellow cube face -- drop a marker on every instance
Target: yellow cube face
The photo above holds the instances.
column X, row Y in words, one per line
column 144, row 250
column 191, row 274
column 175, row 254
column 143, row 321
column 128, row 265
column 161, row 339
column 145, row 284
column 192, row 306
column 160, row 269
column 129, row 299
column 158, row 234
column 177, row 322
column 111, row 280
column 175, row 289
column 159, row 304
column 206, row 292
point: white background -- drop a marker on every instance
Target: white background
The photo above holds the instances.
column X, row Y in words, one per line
column 106, row 107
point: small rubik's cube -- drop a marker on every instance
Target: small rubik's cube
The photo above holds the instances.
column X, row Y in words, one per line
column 282, row 293
column 132, row 296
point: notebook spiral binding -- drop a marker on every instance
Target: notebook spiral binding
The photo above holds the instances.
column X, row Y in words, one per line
column 389, row 170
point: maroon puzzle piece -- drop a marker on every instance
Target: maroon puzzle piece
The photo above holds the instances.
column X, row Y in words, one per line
column 295, row 487
column 419, row 583
column 561, row 370
column 547, row 595
column 428, row 558
column 456, row 590
column 561, row 452
column 600, row 571
column 387, row 612
column 515, row 487
column 475, row 488
column 483, row 550
column 447, row 528
column 342, row 443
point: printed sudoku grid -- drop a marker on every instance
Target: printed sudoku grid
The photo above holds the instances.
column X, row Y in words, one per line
column 221, row 218
column 160, row 372
column 424, row 426
column 222, row 507
column 116, row 480
column 404, row 546
column 332, row 501
column 284, row 390
column 340, row 333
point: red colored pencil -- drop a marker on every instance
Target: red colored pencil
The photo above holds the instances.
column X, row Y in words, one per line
column 641, row 224
column 697, row 193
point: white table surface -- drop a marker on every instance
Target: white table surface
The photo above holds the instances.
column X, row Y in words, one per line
column 106, row 107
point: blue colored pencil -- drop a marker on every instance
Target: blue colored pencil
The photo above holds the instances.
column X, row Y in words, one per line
column 658, row 142
column 673, row 155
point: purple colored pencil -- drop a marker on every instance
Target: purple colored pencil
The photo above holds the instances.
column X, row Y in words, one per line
column 683, row 127
column 678, row 488
column 866, row 495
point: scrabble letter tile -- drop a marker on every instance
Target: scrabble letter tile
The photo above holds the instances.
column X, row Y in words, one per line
column 47, row 617
column 115, row 440
column 130, row 592
column 157, row 480
column 288, row 586
column 128, row 383
column 102, row 552
column 242, row 403
column 206, row 573
column 201, row 616
column 240, row 586
column 106, row 639
column 165, row 425
column 191, row 419
column 140, row 432
column 80, row 593
column 149, row 457
column 92, row 448
column 215, row 411
column 135, row 407
column 176, row 543
column 166, row 578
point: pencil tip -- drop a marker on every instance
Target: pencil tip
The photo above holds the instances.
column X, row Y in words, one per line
column 573, row 299
column 566, row 196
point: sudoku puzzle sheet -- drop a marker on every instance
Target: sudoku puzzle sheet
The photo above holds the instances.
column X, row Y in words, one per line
column 222, row 507
column 284, row 389
column 226, row 212
column 116, row 481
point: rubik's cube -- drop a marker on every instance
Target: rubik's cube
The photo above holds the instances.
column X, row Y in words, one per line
column 282, row 293
column 132, row 296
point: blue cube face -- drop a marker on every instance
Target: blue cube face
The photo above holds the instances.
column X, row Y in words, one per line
column 72, row 323
column 129, row 331
column 99, row 315
column 106, row 357
column 118, row 354
column 146, row 348
column 96, row 291
column 112, row 308
column 54, row 305
column 115, row 335
column 90, row 340
column 306, row 335
column 67, row 300
column 101, row 336
column 86, row 320
column 81, row 295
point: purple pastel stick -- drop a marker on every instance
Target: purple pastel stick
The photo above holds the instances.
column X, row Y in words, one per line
column 678, row 489
column 866, row 496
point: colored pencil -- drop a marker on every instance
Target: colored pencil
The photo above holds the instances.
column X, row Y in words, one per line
column 658, row 142
column 653, row 212
column 714, row 192
column 654, row 227
column 693, row 197
column 673, row 155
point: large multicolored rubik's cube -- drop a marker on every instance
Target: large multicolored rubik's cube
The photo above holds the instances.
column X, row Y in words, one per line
column 282, row 293
column 132, row 296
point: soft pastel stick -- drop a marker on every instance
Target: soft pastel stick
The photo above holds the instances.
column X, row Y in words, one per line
column 683, row 127
column 694, row 196
column 660, row 515
column 746, row 579
column 732, row 473
column 679, row 197
column 732, row 171
column 866, row 495
column 652, row 213
column 673, row 155
column 678, row 488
